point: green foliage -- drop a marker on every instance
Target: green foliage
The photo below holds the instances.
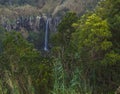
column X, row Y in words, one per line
column 93, row 36
column 17, row 53
column 98, row 47
column 37, row 39
column 84, row 59
column 68, row 79
column 25, row 70
column 78, row 84
column 65, row 28
column 110, row 9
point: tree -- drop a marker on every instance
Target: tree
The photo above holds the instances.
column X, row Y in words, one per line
column 93, row 36
column 65, row 28
column 109, row 10
column 92, row 41
column 25, row 70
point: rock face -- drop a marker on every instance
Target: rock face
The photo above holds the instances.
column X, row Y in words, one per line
column 30, row 23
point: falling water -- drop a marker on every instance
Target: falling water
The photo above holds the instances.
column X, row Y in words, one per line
column 46, row 36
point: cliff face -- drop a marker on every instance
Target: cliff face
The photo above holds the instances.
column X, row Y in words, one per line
column 24, row 16
column 55, row 6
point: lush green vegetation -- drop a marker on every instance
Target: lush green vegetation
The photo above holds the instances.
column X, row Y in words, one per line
column 84, row 59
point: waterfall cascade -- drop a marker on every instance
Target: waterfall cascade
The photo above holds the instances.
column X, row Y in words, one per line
column 40, row 24
column 46, row 35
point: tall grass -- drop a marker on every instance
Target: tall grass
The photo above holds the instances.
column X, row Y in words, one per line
column 78, row 85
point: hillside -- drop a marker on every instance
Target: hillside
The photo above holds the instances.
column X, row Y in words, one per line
column 54, row 6
column 59, row 47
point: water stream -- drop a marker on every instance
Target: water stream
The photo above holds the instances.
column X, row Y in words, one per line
column 46, row 35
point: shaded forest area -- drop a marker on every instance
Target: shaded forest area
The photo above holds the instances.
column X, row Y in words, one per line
column 84, row 57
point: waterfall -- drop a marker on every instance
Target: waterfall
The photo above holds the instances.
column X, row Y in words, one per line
column 46, row 36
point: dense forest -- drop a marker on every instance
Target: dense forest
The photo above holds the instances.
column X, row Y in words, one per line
column 70, row 53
